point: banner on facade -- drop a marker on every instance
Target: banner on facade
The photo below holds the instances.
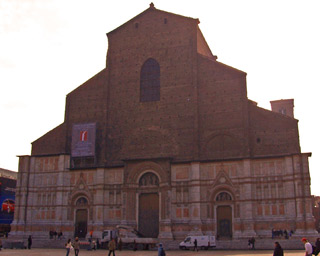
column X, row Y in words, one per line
column 7, row 199
column 83, row 140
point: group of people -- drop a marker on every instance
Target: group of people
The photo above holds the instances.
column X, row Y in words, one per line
column 278, row 251
column 251, row 243
column 75, row 246
column 309, row 248
column 281, row 233
column 54, row 234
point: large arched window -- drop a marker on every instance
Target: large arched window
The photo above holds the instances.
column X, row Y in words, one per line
column 150, row 81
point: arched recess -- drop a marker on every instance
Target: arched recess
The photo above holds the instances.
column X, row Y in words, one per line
column 223, row 207
column 134, row 174
column 150, row 81
column 81, row 215
column 139, row 170
column 149, row 204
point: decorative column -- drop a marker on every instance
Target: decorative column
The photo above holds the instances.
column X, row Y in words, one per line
column 98, row 203
column 246, row 206
column 195, row 199
column 165, row 214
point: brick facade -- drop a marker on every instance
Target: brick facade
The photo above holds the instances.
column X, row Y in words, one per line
column 203, row 137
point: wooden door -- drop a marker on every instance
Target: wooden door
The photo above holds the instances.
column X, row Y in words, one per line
column 224, row 221
column 81, row 223
column 149, row 215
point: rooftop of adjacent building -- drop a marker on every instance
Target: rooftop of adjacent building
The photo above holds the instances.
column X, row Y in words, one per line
column 8, row 174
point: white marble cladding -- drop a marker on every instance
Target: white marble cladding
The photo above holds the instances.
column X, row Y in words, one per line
column 262, row 190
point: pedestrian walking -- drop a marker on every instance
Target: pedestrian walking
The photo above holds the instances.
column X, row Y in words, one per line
column 278, row 251
column 253, row 240
column 161, row 251
column 29, row 242
column 68, row 247
column 76, row 246
column 195, row 243
column 98, row 243
column 112, row 247
column 135, row 245
column 307, row 246
column 120, row 245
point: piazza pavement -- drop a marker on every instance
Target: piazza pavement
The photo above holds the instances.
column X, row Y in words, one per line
column 62, row 252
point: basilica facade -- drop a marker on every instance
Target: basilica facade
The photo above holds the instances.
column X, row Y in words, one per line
column 165, row 139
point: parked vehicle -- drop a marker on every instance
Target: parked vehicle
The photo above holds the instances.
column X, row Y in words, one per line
column 130, row 238
column 203, row 242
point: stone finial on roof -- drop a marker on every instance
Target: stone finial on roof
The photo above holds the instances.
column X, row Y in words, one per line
column 151, row 5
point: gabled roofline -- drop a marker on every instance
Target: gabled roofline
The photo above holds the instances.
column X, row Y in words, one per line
column 150, row 9
column 57, row 127
column 205, row 42
column 222, row 64
column 87, row 81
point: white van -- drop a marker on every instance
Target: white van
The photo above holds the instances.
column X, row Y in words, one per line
column 203, row 242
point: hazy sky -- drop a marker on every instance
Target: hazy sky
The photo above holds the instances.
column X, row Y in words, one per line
column 50, row 47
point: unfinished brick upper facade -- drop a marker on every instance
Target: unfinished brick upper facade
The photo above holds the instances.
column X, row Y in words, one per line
column 201, row 138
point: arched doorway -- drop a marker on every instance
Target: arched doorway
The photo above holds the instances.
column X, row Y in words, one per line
column 81, row 217
column 148, row 219
column 224, row 215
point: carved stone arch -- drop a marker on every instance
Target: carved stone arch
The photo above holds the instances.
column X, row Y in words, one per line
column 80, row 190
column 223, row 196
column 136, row 173
column 75, row 195
column 146, row 172
column 222, row 188
column 81, row 212
column 223, row 210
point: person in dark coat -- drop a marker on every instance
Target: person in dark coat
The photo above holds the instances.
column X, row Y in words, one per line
column 29, row 242
column 135, row 247
column 195, row 245
column 278, row 251
column 317, row 250
column 161, row 251
column 252, row 243
column 120, row 245
column 76, row 246
column 98, row 243
column 112, row 247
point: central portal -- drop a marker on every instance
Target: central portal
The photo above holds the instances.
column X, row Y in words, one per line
column 224, row 219
column 81, row 223
column 149, row 214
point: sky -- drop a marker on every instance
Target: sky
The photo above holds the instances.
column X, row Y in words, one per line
column 50, row 47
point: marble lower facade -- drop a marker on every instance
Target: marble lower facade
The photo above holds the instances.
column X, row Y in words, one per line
column 231, row 199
